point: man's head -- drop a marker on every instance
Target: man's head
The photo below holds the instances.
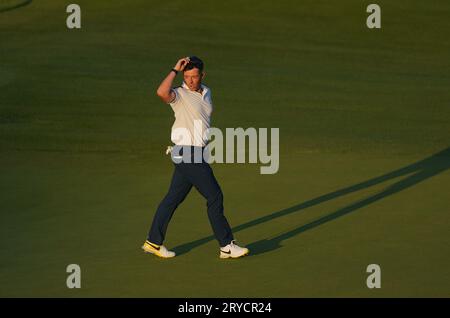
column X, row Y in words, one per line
column 193, row 73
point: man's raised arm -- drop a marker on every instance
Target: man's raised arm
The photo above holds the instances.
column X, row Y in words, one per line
column 164, row 90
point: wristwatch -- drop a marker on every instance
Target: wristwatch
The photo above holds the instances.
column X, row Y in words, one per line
column 174, row 70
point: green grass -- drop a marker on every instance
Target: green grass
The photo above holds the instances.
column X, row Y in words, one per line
column 364, row 148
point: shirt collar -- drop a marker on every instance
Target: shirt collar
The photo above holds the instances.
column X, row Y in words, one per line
column 204, row 88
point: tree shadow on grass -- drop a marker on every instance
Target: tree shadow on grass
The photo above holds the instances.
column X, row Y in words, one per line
column 422, row 170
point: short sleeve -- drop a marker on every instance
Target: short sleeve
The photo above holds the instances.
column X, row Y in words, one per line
column 209, row 97
column 176, row 100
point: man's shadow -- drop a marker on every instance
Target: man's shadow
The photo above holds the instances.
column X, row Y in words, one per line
column 422, row 170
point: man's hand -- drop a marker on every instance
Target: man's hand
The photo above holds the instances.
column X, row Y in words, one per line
column 164, row 90
column 181, row 64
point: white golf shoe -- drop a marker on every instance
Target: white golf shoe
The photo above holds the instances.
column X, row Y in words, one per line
column 158, row 250
column 233, row 251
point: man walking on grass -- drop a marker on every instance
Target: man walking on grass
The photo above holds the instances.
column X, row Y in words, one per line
column 191, row 102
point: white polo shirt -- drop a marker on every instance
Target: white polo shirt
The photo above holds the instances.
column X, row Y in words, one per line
column 192, row 112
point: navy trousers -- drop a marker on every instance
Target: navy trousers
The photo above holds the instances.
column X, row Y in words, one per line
column 185, row 176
